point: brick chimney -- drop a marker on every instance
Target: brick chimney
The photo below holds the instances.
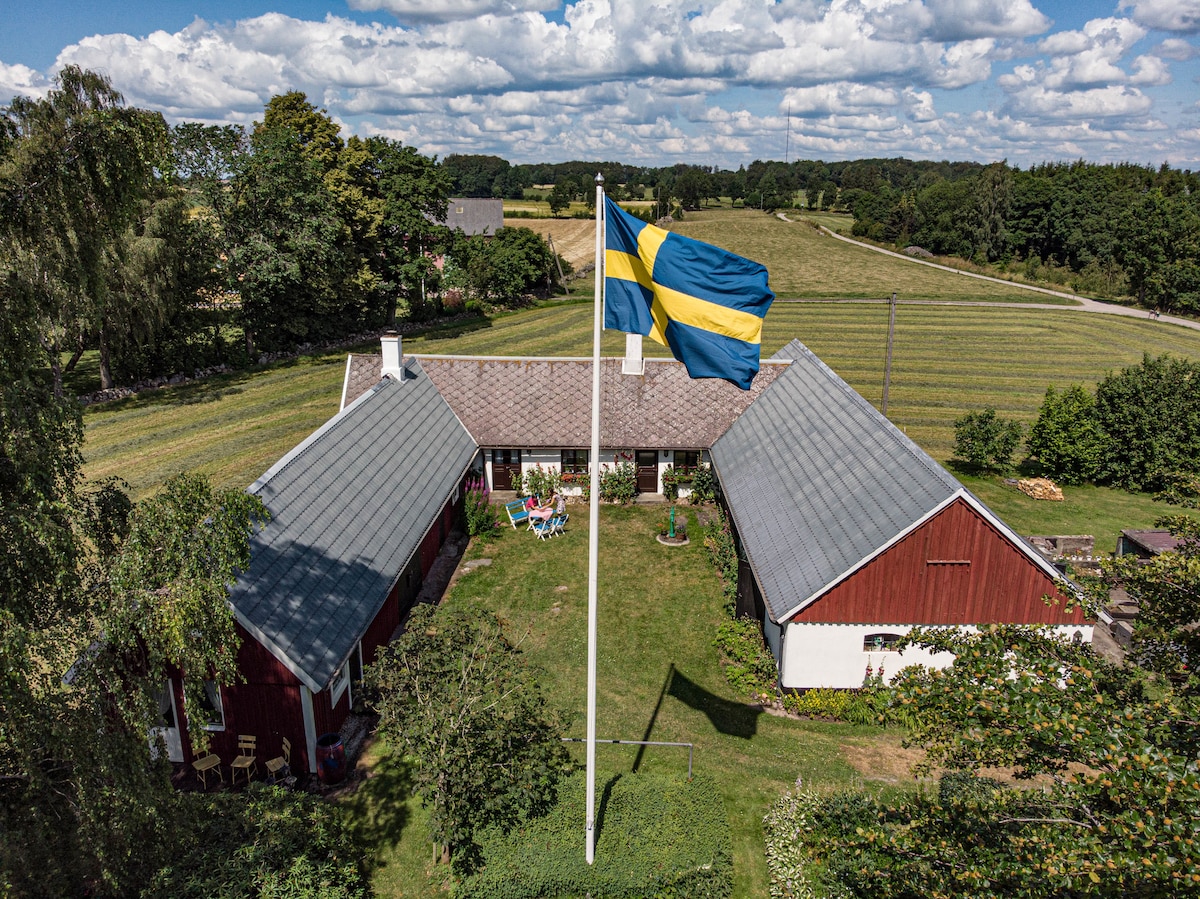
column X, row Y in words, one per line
column 392, row 364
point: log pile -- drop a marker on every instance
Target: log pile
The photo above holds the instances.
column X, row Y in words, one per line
column 1040, row 488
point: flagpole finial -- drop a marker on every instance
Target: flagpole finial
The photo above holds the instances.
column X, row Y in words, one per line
column 599, row 178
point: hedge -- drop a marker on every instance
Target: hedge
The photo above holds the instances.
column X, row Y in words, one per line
column 656, row 836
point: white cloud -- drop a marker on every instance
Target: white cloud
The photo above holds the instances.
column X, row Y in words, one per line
column 1177, row 49
column 661, row 80
column 1166, row 15
column 452, row 10
column 21, row 81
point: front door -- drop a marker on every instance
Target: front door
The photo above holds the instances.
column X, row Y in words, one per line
column 647, row 471
column 506, row 469
column 168, row 725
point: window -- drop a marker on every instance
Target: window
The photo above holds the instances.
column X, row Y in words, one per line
column 686, row 461
column 574, row 461
column 212, row 710
column 880, row 642
column 340, row 683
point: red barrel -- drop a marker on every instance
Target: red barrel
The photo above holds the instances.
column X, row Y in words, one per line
column 331, row 758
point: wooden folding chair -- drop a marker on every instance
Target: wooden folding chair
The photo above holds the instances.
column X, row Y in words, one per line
column 205, row 763
column 247, row 757
column 277, row 764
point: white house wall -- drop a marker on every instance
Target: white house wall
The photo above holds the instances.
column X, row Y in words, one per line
column 832, row 655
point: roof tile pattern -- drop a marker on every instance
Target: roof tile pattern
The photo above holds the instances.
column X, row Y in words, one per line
column 818, row 481
column 548, row 402
column 350, row 506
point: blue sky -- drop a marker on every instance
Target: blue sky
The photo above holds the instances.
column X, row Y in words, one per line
column 659, row 81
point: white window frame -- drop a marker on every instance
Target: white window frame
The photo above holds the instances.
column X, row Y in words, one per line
column 213, row 691
column 340, row 683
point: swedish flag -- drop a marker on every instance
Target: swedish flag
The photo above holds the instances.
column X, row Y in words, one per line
column 703, row 302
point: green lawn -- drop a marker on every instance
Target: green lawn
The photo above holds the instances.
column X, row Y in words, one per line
column 658, row 677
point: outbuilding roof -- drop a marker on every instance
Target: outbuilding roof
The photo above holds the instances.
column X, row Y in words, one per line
column 350, row 506
column 818, row 481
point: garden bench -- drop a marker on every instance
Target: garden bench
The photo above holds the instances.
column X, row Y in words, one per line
column 517, row 513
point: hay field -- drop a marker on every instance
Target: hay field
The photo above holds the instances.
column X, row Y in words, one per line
column 574, row 239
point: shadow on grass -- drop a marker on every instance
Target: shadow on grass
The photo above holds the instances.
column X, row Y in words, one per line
column 735, row 719
column 377, row 812
column 452, row 330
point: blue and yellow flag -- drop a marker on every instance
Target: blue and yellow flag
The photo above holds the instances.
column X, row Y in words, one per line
column 703, row 302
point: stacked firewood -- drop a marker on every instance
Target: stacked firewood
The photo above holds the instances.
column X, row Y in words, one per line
column 1040, row 488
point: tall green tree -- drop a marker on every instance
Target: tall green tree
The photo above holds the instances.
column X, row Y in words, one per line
column 1066, row 439
column 415, row 192
column 288, row 245
column 1151, row 418
column 75, row 169
column 456, row 696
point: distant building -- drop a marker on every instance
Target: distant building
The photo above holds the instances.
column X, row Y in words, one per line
column 473, row 216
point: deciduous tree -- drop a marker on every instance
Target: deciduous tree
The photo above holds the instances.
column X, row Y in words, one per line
column 455, row 695
column 985, row 441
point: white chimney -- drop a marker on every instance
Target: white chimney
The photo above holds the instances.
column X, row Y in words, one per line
column 391, row 356
column 633, row 363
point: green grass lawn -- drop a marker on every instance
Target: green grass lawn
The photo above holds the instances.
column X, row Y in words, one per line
column 658, row 678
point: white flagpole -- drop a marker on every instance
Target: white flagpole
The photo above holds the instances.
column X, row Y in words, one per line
column 594, row 532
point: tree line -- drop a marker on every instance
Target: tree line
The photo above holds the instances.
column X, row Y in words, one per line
column 169, row 249
column 1114, row 230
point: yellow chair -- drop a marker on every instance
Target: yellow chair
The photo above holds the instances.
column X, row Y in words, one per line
column 277, row 764
column 205, row 763
column 247, row 758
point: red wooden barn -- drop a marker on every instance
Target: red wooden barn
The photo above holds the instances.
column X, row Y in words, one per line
column 359, row 511
column 851, row 535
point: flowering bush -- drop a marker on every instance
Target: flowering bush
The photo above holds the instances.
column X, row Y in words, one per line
column 541, row 482
column 704, row 485
column 618, row 484
column 481, row 521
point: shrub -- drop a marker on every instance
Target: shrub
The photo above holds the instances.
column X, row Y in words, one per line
column 788, row 829
column 718, row 540
column 660, row 837
column 984, row 441
column 704, row 486
column 749, row 665
column 671, row 479
column 481, row 518
column 541, row 482
column 618, row 484
column 867, row 705
column 1066, row 439
column 265, row 842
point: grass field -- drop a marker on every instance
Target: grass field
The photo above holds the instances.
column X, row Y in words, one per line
column 658, row 678
column 946, row 360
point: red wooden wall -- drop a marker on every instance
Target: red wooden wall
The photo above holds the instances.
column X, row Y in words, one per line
column 957, row 568
column 268, row 703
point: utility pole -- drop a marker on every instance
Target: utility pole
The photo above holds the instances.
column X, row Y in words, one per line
column 887, row 366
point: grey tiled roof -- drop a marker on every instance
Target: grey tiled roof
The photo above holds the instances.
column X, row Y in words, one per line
column 548, row 402
column 818, row 481
column 474, row 215
column 350, row 506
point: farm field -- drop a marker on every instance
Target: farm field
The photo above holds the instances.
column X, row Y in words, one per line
column 946, row 360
